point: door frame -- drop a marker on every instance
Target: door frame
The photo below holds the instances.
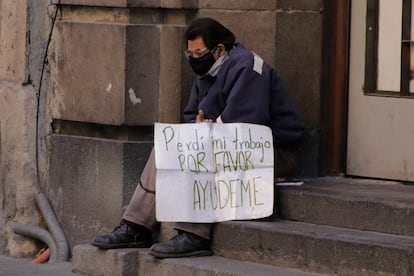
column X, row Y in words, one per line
column 334, row 87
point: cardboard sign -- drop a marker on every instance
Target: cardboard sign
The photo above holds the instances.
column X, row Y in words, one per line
column 210, row 172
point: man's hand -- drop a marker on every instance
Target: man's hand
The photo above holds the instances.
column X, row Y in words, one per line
column 200, row 118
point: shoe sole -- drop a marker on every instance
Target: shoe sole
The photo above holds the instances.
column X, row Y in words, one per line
column 122, row 245
column 200, row 253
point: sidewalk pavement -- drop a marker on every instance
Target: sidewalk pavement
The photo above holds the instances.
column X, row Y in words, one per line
column 21, row 267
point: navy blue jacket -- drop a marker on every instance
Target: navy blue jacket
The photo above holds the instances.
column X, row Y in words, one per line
column 247, row 90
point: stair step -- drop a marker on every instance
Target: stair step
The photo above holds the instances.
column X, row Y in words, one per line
column 310, row 247
column 381, row 206
column 335, row 226
column 91, row 261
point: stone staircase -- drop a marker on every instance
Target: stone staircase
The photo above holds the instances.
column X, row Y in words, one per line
column 331, row 226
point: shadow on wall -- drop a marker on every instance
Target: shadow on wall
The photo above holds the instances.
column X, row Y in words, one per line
column 308, row 154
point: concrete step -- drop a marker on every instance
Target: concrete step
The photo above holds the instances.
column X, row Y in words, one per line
column 267, row 248
column 335, row 226
column 381, row 206
column 318, row 248
column 89, row 260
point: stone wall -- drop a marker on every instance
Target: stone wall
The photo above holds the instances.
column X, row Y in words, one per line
column 130, row 79
column 299, row 61
column 113, row 69
column 21, row 54
column 116, row 67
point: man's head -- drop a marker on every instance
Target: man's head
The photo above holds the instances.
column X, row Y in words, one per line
column 207, row 40
column 211, row 31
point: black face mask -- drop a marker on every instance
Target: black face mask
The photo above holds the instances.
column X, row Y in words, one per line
column 202, row 64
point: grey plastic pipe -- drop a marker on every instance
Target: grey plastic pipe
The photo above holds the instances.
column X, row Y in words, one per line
column 54, row 227
column 39, row 234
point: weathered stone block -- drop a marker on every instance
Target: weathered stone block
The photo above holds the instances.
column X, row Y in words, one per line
column 13, row 28
column 89, row 260
column 153, row 72
column 303, row 5
column 238, row 4
column 2, row 223
column 90, row 182
column 134, row 3
column 299, row 60
column 102, row 3
column 163, row 3
column 116, row 73
column 260, row 37
column 18, row 175
column 125, row 15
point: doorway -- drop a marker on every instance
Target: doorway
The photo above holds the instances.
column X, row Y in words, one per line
column 381, row 98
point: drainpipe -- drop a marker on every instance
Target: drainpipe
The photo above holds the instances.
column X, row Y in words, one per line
column 54, row 227
column 59, row 248
column 39, row 234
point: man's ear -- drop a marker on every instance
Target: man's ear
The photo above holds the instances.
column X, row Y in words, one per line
column 221, row 48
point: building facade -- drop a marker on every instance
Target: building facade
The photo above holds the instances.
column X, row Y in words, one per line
column 83, row 81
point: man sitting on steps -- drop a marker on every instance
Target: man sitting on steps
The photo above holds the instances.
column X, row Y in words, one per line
column 233, row 85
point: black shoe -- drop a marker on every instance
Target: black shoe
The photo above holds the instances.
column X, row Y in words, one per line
column 183, row 245
column 126, row 235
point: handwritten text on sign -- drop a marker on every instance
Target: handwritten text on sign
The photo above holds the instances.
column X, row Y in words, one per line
column 213, row 172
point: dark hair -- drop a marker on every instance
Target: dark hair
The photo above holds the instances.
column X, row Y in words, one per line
column 211, row 31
